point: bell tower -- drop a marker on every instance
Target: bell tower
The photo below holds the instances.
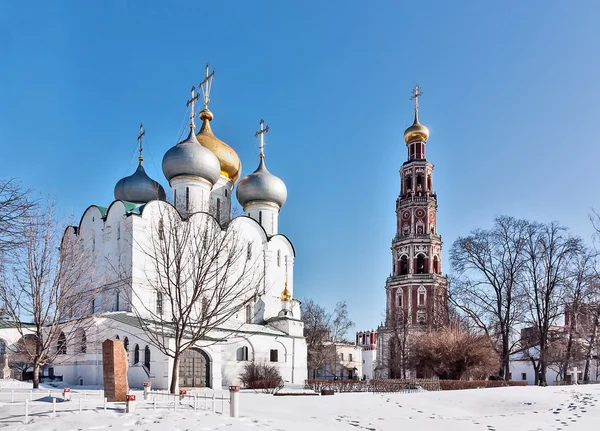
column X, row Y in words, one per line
column 416, row 285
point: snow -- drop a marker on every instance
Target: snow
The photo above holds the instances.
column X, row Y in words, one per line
column 517, row 408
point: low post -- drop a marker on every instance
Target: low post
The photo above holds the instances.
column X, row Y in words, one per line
column 147, row 389
column 105, row 401
column 53, row 408
column 213, row 403
column 234, row 400
column 196, row 403
column 80, row 401
column 154, row 404
column 182, row 394
column 130, row 404
column 26, row 411
column 67, row 394
column 205, row 402
column 12, row 396
column 30, row 395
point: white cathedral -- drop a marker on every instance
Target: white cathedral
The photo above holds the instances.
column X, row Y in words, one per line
column 202, row 172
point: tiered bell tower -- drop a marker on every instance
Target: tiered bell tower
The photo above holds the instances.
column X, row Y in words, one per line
column 416, row 285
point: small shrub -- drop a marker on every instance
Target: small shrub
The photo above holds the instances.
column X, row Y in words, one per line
column 261, row 376
column 448, row 385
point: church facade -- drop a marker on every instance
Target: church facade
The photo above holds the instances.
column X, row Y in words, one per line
column 416, row 290
column 203, row 172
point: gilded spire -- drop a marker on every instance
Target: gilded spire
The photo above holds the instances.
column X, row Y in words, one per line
column 139, row 138
column 261, row 133
column 416, row 132
column 192, row 103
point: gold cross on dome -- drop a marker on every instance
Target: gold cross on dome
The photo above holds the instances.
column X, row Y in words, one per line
column 192, row 102
column 261, row 133
column 416, row 93
column 139, row 138
column 206, row 85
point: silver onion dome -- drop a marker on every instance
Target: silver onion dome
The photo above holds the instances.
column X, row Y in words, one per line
column 139, row 188
column 190, row 158
column 261, row 186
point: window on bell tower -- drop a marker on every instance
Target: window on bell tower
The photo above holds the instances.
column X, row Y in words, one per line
column 421, row 265
column 403, row 265
column 436, row 265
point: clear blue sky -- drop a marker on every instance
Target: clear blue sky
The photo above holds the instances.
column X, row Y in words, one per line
column 510, row 96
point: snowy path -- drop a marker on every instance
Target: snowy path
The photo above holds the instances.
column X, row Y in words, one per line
column 501, row 409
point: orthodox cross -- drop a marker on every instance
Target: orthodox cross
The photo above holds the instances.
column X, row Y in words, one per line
column 139, row 138
column 206, row 84
column 192, row 102
column 261, row 133
column 416, row 93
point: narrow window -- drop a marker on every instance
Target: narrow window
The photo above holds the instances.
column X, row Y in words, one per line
column 249, row 251
column 61, row 346
column 260, row 218
column 242, row 354
column 94, row 244
column 248, row 313
column 161, row 230
column 429, row 183
column 175, row 198
column 350, row 357
column 523, row 376
column 399, row 298
column 421, row 264
column 436, row 265
column 403, row 265
column 83, row 341
column 422, row 296
column 218, row 209
column 187, row 199
column 341, row 356
column 274, row 355
column 225, row 192
column 147, row 357
column 136, row 354
column 117, row 302
column 93, row 306
column 408, row 183
column 278, row 257
column 126, row 344
column 159, row 303
column 118, row 231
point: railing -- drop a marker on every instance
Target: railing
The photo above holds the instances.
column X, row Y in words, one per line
column 417, row 236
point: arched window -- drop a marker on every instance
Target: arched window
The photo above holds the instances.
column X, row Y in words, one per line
column 225, row 192
column 422, row 295
column 403, row 265
column 408, row 184
column 274, row 355
column 187, row 199
column 278, row 257
column 260, row 218
column 82, row 342
column 175, row 198
column 249, row 251
column 117, row 337
column 147, row 357
column 126, row 344
column 419, row 182
column 2, row 347
column 436, row 265
column 421, row 264
column 242, row 354
column 136, row 354
column 161, row 230
column 61, row 345
column 399, row 298
column 218, row 209
column 159, row 303
column 248, row 313
column 117, row 301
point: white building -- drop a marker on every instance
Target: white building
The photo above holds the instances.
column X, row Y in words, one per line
column 347, row 362
column 202, row 172
column 367, row 341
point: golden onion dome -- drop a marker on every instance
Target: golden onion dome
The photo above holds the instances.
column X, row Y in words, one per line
column 416, row 132
column 286, row 295
column 231, row 166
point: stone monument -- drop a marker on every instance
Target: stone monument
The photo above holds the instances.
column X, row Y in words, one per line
column 114, row 367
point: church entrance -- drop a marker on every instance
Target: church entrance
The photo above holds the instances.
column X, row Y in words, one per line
column 194, row 369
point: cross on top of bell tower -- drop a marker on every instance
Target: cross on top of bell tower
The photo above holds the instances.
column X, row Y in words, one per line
column 261, row 133
column 416, row 93
column 139, row 138
column 206, row 84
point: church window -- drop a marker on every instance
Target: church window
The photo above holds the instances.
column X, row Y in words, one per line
column 94, row 244
column 399, row 298
column 204, row 305
column 126, row 344
column 242, row 354
column 403, row 265
column 175, row 197
column 218, row 209
column 260, row 218
column 225, row 192
column 83, row 342
column 248, row 313
column 117, row 337
column 350, row 357
column 523, row 376
column 419, row 181
column 422, row 292
column 159, row 303
column 136, row 354
column 421, row 264
column 408, row 184
column 249, row 251
column 436, row 265
column 278, row 257
column 274, row 355
column 61, row 346
column 147, row 357
column 429, row 183
column 161, row 230
column 117, row 301
column 341, row 356
column 93, row 306
column 187, row 199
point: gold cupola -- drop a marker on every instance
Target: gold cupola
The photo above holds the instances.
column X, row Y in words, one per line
column 231, row 166
column 417, row 131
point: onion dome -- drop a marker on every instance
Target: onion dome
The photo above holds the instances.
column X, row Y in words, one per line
column 261, row 186
column 231, row 166
column 139, row 188
column 416, row 132
column 286, row 295
column 191, row 159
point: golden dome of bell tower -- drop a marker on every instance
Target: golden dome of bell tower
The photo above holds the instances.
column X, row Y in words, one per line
column 416, row 132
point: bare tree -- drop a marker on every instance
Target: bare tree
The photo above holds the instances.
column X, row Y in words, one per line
column 321, row 328
column 490, row 265
column 14, row 205
column 47, row 288
column 197, row 276
column 399, row 358
column 550, row 252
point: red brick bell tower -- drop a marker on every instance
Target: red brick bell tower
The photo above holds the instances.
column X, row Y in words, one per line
column 416, row 284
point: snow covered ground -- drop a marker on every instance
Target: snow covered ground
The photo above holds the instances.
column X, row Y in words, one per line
column 516, row 409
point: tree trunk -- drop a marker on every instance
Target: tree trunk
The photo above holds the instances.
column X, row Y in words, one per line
column 543, row 369
column 174, row 389
column 36, row 375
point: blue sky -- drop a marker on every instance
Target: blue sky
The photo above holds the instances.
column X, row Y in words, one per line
column 510, row 96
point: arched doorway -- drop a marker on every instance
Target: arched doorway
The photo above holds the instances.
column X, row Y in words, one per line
column 194, row 369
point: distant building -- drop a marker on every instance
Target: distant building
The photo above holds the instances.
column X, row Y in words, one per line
column 367, row 341
column 345, row 362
